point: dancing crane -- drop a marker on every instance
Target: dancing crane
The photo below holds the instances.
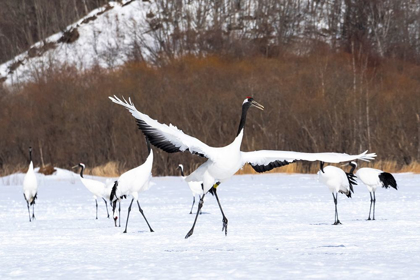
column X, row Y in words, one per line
column 132, row 183
column 223, row 162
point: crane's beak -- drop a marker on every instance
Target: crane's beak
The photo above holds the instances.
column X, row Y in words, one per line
column 74, row 167
column 257, row 105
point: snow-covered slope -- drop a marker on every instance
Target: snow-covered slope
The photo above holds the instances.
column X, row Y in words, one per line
column 279, row 228
column 104, row 38
column 113, row 34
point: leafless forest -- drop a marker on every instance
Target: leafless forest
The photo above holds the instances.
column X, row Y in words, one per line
column 351, row 85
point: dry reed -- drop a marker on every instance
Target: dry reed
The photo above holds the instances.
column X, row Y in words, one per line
column 115, row 169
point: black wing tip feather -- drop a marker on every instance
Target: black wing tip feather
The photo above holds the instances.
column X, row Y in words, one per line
column 270, row 166
column 347, row 193
column 388, row 180
column 155, row 138
column 33, row 200
column 352, row 182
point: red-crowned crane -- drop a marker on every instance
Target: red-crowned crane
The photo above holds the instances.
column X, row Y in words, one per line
column 337, row 181
column 30, row 187
column 195, row 187
column 373, row 179
column 132, row 183
column 97, row 188
column 223, row 162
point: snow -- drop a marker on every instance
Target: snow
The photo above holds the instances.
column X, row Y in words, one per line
column 113, row 37
column 279, row 227
column 105, row 41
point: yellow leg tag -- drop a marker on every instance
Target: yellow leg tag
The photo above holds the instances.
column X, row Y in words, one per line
column 216, row 185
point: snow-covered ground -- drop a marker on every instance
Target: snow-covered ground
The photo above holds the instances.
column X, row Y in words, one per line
column 279, row 228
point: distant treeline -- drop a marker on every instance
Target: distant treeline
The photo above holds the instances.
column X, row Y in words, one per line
column 382, row 28
column 322, row 101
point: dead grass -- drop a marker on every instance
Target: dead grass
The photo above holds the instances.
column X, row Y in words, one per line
column 115, row 169
column 305, row 168
column 47, row 169
column 10, row 169
column 110, row 169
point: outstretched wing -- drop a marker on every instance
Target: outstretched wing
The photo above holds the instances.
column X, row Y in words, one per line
column 168, row 138
column 265, row 160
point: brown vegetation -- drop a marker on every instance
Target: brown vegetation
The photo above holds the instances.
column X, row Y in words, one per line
column 315, row 103
column 69, row 36
column 47, row 169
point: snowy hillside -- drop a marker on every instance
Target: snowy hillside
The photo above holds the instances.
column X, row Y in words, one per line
column 104, row 37
column 133, row 29
column 279, row 228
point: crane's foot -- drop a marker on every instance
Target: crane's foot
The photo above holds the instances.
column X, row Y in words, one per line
column 369, row 219
column 337, row 223
column 189, row 233
column 225, row 224
column 190, row 212
column 125, row 231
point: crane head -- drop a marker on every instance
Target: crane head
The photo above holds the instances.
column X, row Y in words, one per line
column 249, row 101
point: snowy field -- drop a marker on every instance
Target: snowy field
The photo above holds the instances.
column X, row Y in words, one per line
column 279, row 228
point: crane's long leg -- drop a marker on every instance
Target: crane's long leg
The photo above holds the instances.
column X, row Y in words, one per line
column 114, row 205
column 224, row 220
column 374, row 204
column 336, row 208
column 335, row 212
column 371, row 202
column 106, row 205
column 128, row 215
column 141, row 211
column 96, row 208
column 33, row 211
column 200, row 204
column 201, row 212
column 27, row 203
column 337, row 221
column 192, row 204
column 29, row 211
column 119, row 213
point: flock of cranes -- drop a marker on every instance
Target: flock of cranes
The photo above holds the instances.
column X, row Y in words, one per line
column 222, row 163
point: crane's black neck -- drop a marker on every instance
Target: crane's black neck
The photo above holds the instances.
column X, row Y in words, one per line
column 30, row 154
column 353, row 167
column 182, row 171
column 321, row 164
column 81, row 171
column 245, row 108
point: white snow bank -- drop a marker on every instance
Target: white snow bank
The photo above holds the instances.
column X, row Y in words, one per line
column 279, row 228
